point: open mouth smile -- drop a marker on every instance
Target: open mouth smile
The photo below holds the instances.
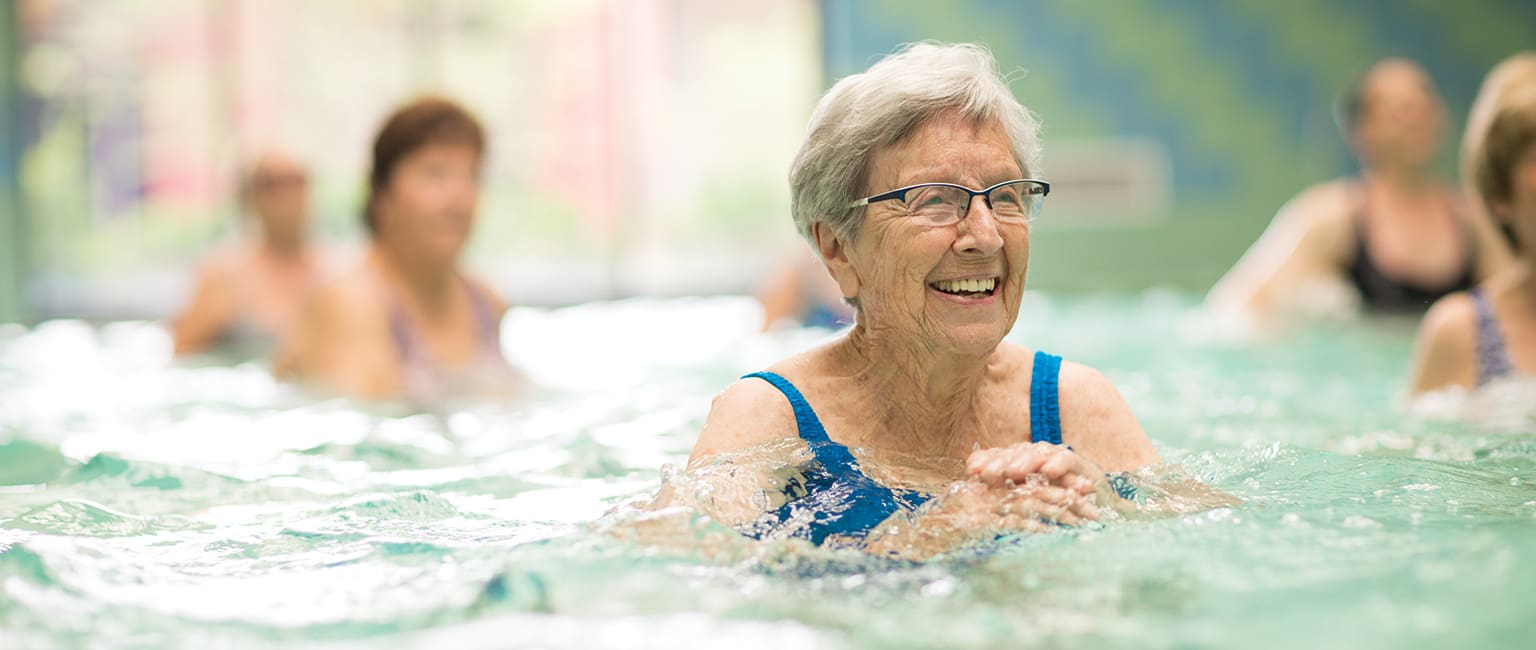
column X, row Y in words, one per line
column 967, row 288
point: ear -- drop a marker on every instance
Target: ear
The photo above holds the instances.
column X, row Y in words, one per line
column 834, row 253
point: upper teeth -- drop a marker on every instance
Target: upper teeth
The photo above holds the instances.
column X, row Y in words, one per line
column 954, row 286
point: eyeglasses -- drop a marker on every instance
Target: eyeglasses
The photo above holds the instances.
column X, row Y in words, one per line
column 942, row 204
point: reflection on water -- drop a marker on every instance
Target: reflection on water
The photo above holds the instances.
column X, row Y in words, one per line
column 148, row 504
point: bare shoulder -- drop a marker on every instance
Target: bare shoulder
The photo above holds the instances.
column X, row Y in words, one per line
column 223, row 264
column 1450, row 326
column 1309, row 241
column 351, row 296
column 342, row 341
column 747, row 413
column 338, row 315
column 1446, row 351
column 1324, row 212
column 480, row 286
column 1452, row 316
column 1098, row 423
column 1324, row 201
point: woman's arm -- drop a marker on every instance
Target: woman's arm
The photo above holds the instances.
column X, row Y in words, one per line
column 729, row 457
column 1296, row 265
column 973, row 511
column 210, row 312
column 1106, row 437
column 1098, row 424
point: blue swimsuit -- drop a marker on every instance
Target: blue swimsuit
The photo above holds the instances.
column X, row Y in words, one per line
column 838, row 498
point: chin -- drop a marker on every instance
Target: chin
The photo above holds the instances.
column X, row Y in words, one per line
column 978, row 338
column 448, row 248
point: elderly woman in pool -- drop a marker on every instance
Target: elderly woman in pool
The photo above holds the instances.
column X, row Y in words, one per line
column 920, row 427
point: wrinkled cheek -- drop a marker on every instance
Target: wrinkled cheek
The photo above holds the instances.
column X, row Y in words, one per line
column 894, row 300
column 916, row 293
column 1018, row 257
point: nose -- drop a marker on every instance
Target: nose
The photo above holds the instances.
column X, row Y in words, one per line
column 465, row 189
column 979, row 233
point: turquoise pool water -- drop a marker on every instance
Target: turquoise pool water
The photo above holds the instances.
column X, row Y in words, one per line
column 145, row 504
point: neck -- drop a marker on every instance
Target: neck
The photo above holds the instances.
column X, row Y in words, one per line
column 1402, row 179
column 1523, row 272
column 927, row 397
column 284, row 247
column 428, row 283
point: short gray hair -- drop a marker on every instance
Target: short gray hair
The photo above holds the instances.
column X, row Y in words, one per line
column 865, row 112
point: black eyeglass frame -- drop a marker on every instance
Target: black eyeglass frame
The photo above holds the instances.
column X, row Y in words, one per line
column 1035, row 186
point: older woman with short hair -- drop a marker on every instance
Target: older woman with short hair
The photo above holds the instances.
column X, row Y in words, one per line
column 920, row 427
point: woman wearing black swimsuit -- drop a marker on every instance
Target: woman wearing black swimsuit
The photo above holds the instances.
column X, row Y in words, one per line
column 1394, row 239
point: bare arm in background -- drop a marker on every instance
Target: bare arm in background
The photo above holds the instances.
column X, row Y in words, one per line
column 212, row 309
column 1296, row 266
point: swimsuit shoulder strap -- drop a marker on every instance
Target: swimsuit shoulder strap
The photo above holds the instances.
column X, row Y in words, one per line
column 832, row 455
column 805, row 417
column 400, row 330
column 1045, row 399
column 487, row 321
column 1492, row 355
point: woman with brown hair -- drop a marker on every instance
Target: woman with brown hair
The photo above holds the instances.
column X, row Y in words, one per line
column 407, row 322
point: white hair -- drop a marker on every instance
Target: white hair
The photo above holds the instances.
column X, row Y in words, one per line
column 866, row 112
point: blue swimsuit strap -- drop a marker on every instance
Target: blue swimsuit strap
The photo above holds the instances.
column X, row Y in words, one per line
column 833, row 456
column 1044, row 417
column 1044, row 411
column 1045, row 399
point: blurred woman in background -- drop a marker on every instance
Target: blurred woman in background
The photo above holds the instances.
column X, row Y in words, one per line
column 408, row 322
column 801, row 293
column 1393, row 240
column 1471, row 339
column 1505, row 76
column 248, row 294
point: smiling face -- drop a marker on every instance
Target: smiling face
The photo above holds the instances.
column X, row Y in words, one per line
column 951, row 288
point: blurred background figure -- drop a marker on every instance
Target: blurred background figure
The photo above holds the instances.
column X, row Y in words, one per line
column 249, row 293
column 647, row 158
column 1471, row 339
column 801, row 293
column 407, row 321
column 1509, row 74
column 1394, row 239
